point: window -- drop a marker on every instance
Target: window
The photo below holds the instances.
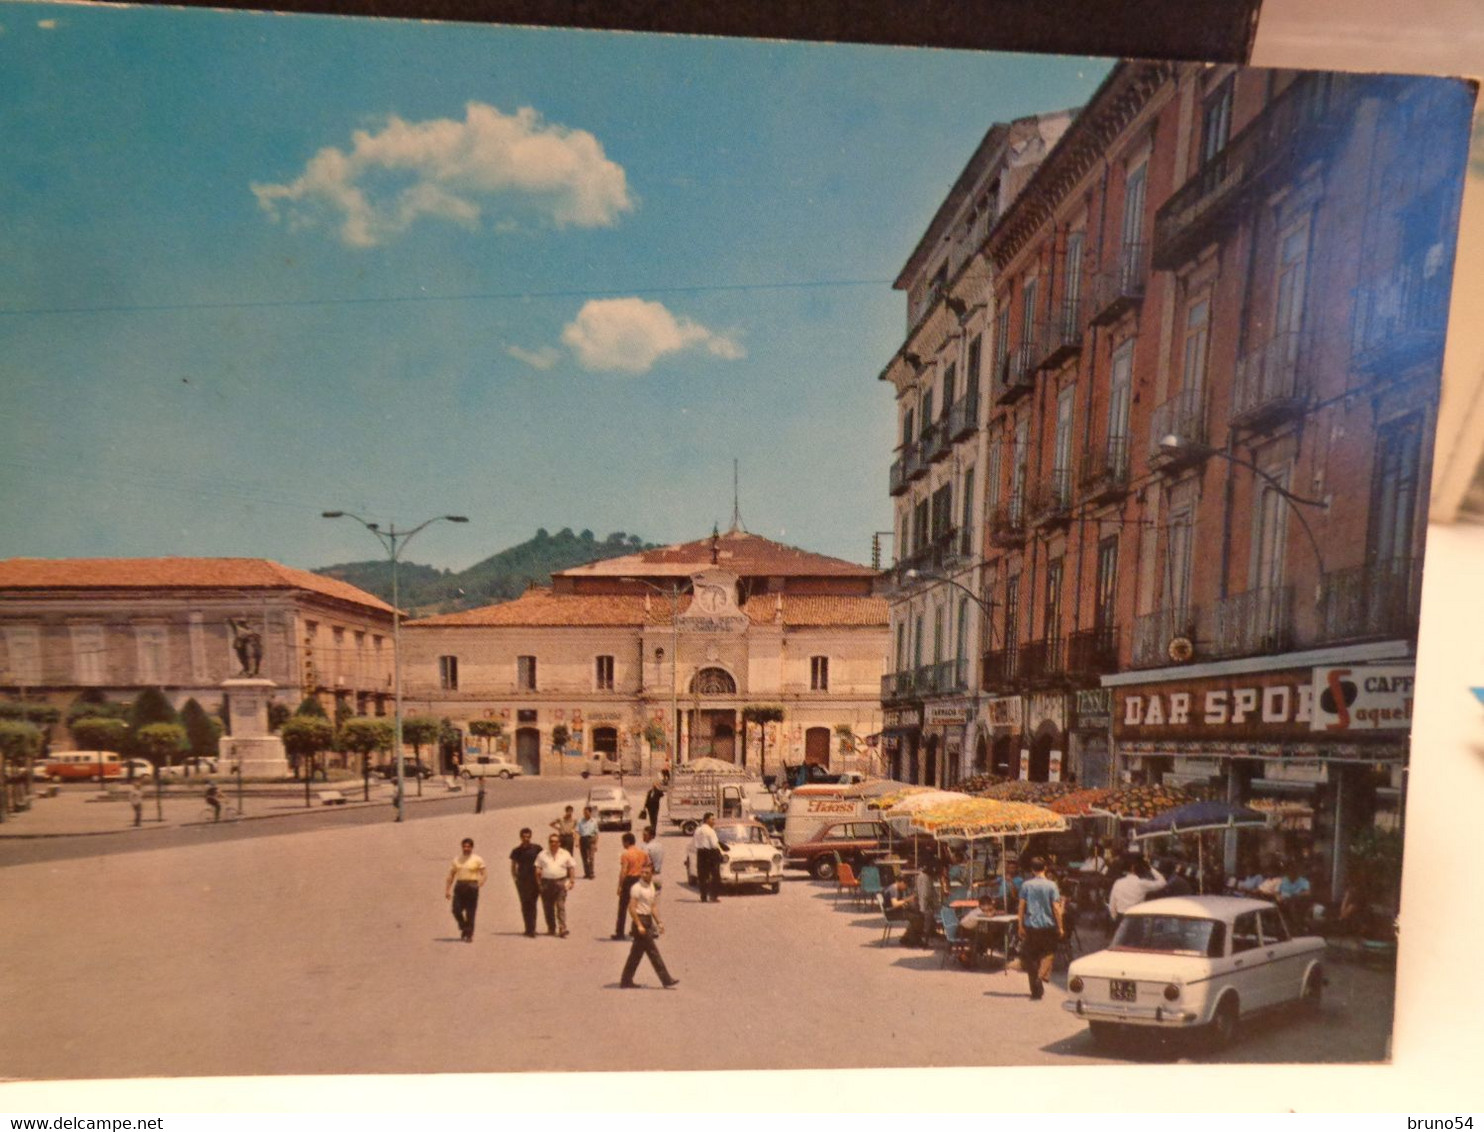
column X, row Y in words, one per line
column 1197, row 340
column 907, row 434
column 1051, row 626
column 603, row 673
column 962, row 649
column 1012, row 613
column 1133, row 208
column 1216, row 121
column 819, row 674
column 525, row 673
column 996, row 472
column 1394, row 487
column 942, row 512
column 1120, row 393
column 920, row 528
column 1028, row 310
column 1274, row 930
column 153, row 660
column 901, row 645
column 971, row 368
column 1002, row 337
column 1072, row 288
column 1022, row 460
column 24, row 644
column 1244, row 933
column 917, row 631
column 1293, row 254
column 1269, row 534
column 950, row 382
column 1062, row 464
column 925, row 413
column 1105, row 610
column 938, row 634
column 88, row 653
column 966, row 497
column 448, row 673
column 1177, row 562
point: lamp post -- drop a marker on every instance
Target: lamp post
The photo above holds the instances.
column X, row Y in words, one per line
column 673, row 593
column 394, row 542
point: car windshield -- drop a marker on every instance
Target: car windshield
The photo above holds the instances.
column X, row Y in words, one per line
column 1177, row 935
column 604, row 796
column 741, row 835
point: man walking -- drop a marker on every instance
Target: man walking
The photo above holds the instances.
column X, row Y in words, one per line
column 708, row 859
column 558, row 873
column 652, row 804
column 566, row 827
column 656, row 853
column 466, row 876
column 136, row 799
column 631, row 864
column 1041, row 928
column 644, row 908
column 587, row 840
column 527, row 881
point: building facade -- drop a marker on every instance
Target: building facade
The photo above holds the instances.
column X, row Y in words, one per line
column 931, row 693
column 119, row 625
column 732, row 647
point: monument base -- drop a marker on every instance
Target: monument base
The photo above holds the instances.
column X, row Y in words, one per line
column 259, row 756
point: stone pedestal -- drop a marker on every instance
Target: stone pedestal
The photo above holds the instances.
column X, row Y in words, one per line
column 251, row 745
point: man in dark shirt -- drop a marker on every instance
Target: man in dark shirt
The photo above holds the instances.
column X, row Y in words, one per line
column 523, row 872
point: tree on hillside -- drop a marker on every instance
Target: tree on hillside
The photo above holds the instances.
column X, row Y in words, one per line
column 203, row 734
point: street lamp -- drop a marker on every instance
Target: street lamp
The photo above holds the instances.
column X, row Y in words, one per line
column 395, row 541
column 673, row 593
column 1174, row 445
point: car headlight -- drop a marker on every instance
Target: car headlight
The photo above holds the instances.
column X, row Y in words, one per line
column 1172, row 992
column 1075, row 984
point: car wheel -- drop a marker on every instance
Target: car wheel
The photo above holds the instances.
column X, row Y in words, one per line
column 688, row 828
column 1105, row 1035
column 1223, row 1029
column 1312, row 997
column 466, row 775
column 776, row 887
column 822, row 868
column 505, row 774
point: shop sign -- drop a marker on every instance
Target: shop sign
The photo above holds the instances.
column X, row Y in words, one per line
column 939, row 716
column 1004, row 711
column 605, row 716
column 1199, row 768
column 1363, row 697
column 1094, row 707
column 1256, row 706
column 1306, row 771
column 902, row 717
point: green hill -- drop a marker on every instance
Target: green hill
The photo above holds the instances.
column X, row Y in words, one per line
column 425, row 590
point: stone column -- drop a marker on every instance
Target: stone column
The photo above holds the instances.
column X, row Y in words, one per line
column 251, row 745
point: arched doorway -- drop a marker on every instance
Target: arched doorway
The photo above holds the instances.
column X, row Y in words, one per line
column 1004, row 757
column 930, row 762
column 605, row 746
column 528, row 749
column 817, row 746
column 1041, row 747
column 713, row 731
column 981, row 756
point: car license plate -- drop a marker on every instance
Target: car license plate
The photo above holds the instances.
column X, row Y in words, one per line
column 1122, row 990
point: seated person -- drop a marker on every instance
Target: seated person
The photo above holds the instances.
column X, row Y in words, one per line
column 1252, row 882
column 895, row 899
column 1295, row 896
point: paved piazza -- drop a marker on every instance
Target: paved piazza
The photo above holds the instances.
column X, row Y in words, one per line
column 333, row 951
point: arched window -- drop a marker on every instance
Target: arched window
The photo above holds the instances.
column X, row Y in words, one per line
column 713, row 682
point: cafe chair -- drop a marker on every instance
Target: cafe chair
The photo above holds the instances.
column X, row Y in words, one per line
column 871, row 886
column 845, row 881
column 898, row 918
column 957, row 942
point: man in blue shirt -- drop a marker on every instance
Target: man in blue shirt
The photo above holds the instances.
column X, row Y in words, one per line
column 587, row 838
column 1040, row 922
column 656, row 853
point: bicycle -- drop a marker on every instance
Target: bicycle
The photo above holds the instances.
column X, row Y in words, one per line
column 207, row 816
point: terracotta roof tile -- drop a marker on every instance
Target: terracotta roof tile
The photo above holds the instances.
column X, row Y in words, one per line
column 173, row 573
column 743, row 553
column 543, row 608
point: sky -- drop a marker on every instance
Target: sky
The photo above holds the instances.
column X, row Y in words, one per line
column 260, row 266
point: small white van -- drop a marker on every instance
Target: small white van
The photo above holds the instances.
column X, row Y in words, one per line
column 77, row 765
column 811, row 808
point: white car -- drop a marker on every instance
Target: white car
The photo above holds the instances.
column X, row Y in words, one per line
column 491, row 767
column 193, row 766
column 1195, row 963
column 143, row 768
column 748, row 855
column 611, row 805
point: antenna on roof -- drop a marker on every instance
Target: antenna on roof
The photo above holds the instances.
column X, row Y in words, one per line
column 736, row 504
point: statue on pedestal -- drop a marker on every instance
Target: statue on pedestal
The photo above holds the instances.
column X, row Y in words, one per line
column 248, row 644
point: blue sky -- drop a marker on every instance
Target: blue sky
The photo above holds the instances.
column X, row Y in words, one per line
column 260, row 266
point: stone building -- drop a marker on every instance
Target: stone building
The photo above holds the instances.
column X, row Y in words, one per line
column 119, row 625
column 709, row 628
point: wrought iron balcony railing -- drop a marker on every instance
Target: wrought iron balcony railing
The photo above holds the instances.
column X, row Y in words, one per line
column 913, row 465
column 1400, row 317
column 1252, row 623
column 1104, row 472
column 1182, row 416
column 1051, row 498
column 1000, row 669
column 1043, row 662
column 934, row 441
column 1092, row 652
column 1270, row 383
column 1122, row 286
column 1007, row 522
column 898, row 476
column 1154, row 632
column 1061, row 335
column 963, row 418
column 1018, row 375
column 1378, row 600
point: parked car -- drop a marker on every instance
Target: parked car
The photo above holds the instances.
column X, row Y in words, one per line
column 143, row 768
column 748, row 856
column 1193, row 964
column 851, row 840
column 611, row 805
column 192, row 766
column 411, row 768
column 491, row 766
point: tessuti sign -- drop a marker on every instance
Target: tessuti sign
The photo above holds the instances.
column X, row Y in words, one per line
column 1363, row 697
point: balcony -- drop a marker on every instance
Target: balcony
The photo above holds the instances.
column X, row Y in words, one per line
column 1400, row 318
column 1184, row 416
column 963, row 418
column 898, row 476
column 1092, row 652
column 1122, row 288
column 942, row 553
column 897, row 685
column 1154, row 631
column 1051, row 499
column 1000, row 670
column 948, row 676
column 1256, row 622
column 1104, row 473
column 1043, row 664
column 914, row 467
column 934, row 442
column 1378, row 601
column 926, row 680
column 1271, row 385
column 1018, row 374
column 1282, row 135
column 1007, row 523
column 1061, row 335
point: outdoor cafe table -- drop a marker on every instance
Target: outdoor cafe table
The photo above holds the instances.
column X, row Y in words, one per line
column 993, row 933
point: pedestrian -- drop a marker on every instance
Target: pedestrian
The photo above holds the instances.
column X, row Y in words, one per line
column 558, row 873
column 466, row 876
column 1132, row 888
column 656, row 853
column 566, row 827
column 708, row 859
column 214, row 800
column 479, row 797
column 136, row 799
column 631, row 864
column 1040, row 923
column 1175, row 884
column 644, row 910
column 652, row 803
column 587, row 840
column 527, row 880
column 927, row 898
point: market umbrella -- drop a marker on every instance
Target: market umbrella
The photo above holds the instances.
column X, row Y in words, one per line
column 903, row 805
column 875, row 787
column 1079, row 803
column 1018, row 790
column 707, row 765
column 886, row 799
column 1140, row 803
column 1201, row 817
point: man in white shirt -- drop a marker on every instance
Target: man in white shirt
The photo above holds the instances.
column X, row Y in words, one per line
column 708, row 859
column 656, row 853
column 1131, row 888
column 557, row 871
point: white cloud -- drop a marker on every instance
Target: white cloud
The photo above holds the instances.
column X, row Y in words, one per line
column 544, row 358
column 455, row 171
column 630, row 335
